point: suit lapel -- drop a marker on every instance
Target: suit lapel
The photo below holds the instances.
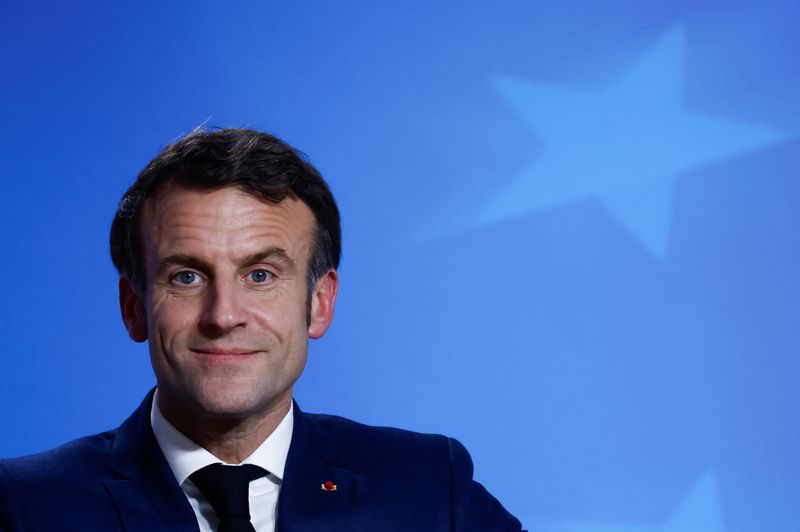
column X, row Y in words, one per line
column 145, row 492
column 312, row 461
column 148, row 498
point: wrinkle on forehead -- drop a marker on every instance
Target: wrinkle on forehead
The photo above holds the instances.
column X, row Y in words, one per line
column 226, row 221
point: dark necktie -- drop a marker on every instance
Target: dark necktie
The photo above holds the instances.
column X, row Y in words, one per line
column 227, row 489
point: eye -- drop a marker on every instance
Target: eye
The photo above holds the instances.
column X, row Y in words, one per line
column 261, row 276
column 186, row 278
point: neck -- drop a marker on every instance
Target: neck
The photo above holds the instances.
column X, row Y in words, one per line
column 231, row 439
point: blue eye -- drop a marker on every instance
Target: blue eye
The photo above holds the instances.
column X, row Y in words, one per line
column 260, row 276
column 186, row 277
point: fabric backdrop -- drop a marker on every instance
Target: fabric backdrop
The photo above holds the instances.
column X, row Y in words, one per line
column 570, row 231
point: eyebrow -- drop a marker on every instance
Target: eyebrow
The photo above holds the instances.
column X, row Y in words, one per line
column 181, row 259
column 273, row 252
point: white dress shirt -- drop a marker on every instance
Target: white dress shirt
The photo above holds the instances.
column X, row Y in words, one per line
column 185, row 457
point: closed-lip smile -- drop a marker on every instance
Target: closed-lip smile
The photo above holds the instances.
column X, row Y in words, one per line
column 223, row 352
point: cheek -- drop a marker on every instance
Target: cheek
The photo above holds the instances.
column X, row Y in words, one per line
column 285, row 317
column 169, row 316
column 280, row 305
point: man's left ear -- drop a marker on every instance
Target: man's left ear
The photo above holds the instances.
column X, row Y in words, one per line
column 323, row 299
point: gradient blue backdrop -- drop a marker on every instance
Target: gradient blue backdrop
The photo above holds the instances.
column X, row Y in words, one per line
column 571, row 231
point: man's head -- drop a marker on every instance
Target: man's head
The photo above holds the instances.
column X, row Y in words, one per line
column 227, row 246
column 254, row 162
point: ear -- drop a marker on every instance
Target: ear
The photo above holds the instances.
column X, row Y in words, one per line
column 132, row 308
column 323, row 299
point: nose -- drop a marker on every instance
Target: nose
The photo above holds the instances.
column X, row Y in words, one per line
column 225, row 309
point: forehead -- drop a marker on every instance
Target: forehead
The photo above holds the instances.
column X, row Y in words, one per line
column 225, row 221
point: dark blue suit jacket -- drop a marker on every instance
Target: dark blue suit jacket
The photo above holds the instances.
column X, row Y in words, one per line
column 387, row 480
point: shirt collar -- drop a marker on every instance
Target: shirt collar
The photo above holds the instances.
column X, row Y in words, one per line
column 184, row 456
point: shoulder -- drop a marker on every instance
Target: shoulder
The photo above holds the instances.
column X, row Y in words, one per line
column 354, row 440
column 425, row 469
column 357, row 433
column 435, row 465
column 80, row 456
column 68, row 465
column 64, row 480
column 84, row 458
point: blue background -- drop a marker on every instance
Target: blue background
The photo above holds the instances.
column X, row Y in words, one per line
column 571, row 231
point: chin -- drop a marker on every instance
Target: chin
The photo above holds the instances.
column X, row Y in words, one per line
column 233, row 403
column 226, row 405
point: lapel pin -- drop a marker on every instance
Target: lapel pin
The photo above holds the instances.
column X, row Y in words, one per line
column 328, row 486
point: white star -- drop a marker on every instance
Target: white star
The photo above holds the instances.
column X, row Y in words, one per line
column 624, row 146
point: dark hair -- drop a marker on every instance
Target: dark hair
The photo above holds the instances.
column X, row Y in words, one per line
column 256, row 163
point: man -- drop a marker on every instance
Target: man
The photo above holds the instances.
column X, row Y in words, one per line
column 227, row 247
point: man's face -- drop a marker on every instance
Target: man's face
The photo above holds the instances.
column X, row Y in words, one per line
column 226, row 300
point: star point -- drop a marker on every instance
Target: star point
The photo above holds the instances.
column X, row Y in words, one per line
column 699, row 510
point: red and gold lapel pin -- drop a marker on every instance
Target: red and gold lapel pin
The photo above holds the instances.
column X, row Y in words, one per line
column 328, row 486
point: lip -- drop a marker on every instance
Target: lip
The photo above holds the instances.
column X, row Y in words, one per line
column 212, row 356
column 224, row 352
column 224, row 357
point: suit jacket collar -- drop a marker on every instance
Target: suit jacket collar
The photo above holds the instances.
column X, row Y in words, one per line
column 148, row 497
column 314, row 459
column 144, row 490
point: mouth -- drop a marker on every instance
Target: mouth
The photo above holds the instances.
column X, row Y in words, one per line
column 220, row 351
column 213, row 355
